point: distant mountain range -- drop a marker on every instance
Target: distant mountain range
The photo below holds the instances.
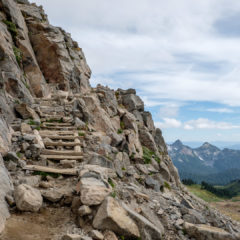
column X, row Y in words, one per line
column 206, row 163
column 219, row 144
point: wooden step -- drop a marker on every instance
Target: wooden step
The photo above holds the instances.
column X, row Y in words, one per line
column 58, row 157
column 61, row 153
column 62, row 144
column 46, row 118
column 44, row 99
column 57, row 124
column 59, row 128
column 53, row 117
column 55, row 137
column 66, row 171
column 55, row 132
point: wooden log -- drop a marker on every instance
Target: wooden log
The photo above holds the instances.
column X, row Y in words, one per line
column 62, row 157
column 65, row 153
column 66, row 171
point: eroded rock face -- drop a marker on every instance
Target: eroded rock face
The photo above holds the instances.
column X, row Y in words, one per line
column 5, row 187
column 108, row 100
column 33, row 74
column 60, row 59
column 27, row 198
column 5, row 136
column 113, row 217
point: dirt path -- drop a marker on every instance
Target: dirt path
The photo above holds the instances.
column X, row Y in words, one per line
column 38, row 226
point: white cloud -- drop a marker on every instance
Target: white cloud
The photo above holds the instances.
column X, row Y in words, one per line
column 204, row 123
column 220, row 110
column 200, row 123
column 170, row 110
column 169, row 123
column 166, row 49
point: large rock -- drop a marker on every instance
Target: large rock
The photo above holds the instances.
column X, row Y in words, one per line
column 147, row 229
column 134, row 145
column 52, row 195
column 203, row 232
column 28, row 198
column 148, row 121
column 92, row 191
column 129, row 121
column 147, row 139
column 159, row 140
column 5, row 187
column 132, row 102
column 108, row 100
column 111, row 216
column 26, row 112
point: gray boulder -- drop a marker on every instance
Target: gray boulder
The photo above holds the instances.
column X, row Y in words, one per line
column 111, row 216
column 5, row 187
column 28, row 198
column 132, row 102
column 147, row 229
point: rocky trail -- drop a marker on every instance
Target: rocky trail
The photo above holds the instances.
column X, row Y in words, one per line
column 83, row 163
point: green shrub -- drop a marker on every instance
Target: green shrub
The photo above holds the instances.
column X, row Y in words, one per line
column 81, row 134
column 110, row 181
column 120, row 131
column 132, row 156
column 31, row 122
column 50, row 120
column 18, row 54
column 27, row 86
column 148, row 155
column 166, row 185
column 11, row 28
column 117, row 95
column 122, row 125
column 16, row 101
column 113, row 194
column 45, row 174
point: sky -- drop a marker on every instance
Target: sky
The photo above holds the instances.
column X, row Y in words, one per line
column 182, row 57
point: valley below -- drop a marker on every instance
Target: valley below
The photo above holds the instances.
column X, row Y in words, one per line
column 227, row 206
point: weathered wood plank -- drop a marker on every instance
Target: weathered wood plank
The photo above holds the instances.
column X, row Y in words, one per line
column 67, row 171
column 63, row 157
column 61, row 153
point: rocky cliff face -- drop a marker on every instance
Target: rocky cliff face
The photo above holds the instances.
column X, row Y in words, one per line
column 94, row 151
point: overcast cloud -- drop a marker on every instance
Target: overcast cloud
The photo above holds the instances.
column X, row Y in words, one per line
column 174, row 52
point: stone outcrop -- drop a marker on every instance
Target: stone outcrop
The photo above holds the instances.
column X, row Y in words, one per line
column 5, row 188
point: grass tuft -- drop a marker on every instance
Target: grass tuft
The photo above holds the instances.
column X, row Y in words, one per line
column 11, row 28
